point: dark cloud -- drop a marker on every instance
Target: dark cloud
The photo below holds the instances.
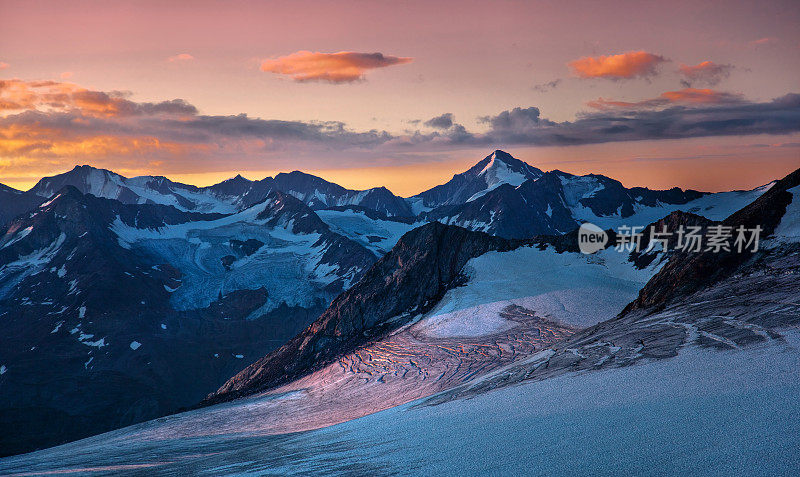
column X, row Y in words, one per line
column 517, row 119
column 549, row 86
column 706, row 73
column 445, row 121
column 524, row 126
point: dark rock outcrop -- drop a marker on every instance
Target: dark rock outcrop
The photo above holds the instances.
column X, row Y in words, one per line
column 689, row 272
column 14, row 203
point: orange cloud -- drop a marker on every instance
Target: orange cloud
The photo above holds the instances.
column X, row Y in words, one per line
column 17, row 95
column 180, row 57
column 66, row 75
column 700, row 96
column 684, row 96
column 3, row 65
column 623, row 66
column 341, row 67
column 39, row 149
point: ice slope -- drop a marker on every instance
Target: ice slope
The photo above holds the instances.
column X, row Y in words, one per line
column 788, row 229
column 702, row 413
column 572, row 288
column 287, row 265
column 375, row 234
column 204, row 200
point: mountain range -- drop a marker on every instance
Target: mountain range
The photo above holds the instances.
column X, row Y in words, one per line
column 125, row 299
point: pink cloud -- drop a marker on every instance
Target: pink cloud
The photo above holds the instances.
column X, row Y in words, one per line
column 341, row 67
column 3, row 65
column 628, row 65
column 770, row 40
column 180, row 57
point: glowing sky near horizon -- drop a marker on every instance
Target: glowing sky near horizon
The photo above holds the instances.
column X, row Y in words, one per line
column 350, row 89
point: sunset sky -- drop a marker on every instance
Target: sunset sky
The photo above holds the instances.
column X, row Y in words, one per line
column 403, row 94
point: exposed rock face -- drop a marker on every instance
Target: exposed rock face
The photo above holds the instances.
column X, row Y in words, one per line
column 535, row 207
column 318, row 193
column 234, row 187
column 14, row 203
column 407, row 281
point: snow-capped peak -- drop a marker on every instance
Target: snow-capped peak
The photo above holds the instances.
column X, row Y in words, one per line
column 498, row 172
column 503, row 168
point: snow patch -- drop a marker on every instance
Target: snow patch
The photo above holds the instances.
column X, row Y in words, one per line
column 49, row 201
column 19, row 236
column 497, row 173
column 788, row 229
column 571, row 288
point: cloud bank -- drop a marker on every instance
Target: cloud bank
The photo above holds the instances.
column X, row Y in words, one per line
column 46, row 125
column 341, row 67
column 526, row 127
